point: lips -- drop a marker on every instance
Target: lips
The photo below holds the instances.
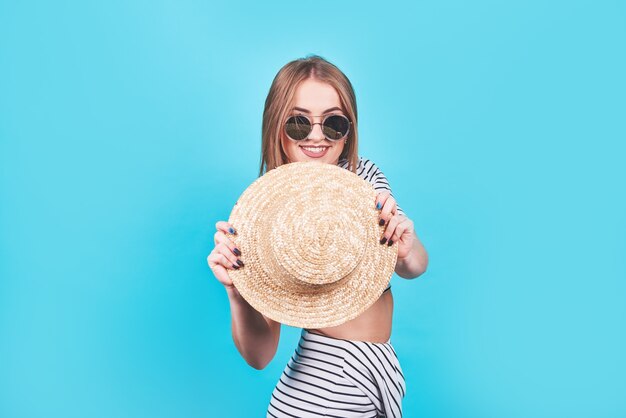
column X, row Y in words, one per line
column 315, row 154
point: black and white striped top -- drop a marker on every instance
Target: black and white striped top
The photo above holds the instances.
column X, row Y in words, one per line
column 367, row 170
column 332, row 377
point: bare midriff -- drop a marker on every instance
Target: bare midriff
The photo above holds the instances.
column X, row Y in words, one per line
column 373, row 325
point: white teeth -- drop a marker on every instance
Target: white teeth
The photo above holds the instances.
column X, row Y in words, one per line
column 314, row 149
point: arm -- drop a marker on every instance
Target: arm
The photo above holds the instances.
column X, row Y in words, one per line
column 255, row 336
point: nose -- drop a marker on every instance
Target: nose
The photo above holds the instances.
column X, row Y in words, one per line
column 316, row 132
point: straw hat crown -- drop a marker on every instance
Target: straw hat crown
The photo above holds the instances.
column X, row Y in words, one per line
column 309, row 237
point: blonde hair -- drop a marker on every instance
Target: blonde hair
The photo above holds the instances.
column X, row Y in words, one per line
column 280, row 99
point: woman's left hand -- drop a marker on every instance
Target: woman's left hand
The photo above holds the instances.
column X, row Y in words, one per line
column 398, row 228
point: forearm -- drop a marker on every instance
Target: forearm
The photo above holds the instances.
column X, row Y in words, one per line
column 254, row 338
column 415, row 263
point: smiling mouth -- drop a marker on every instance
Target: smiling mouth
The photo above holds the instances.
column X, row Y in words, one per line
column 315, row 151
column 313, row 146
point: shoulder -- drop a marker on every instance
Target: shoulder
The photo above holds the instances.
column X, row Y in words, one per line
column 366, row 168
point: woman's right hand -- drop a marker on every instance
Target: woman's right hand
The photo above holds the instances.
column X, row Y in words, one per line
column 225, row 255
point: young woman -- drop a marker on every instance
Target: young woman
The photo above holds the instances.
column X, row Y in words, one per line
column 350, row 370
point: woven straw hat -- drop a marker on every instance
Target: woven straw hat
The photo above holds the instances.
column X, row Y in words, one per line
column 309, row 237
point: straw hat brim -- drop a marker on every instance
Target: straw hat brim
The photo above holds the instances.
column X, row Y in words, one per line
column 309, row 237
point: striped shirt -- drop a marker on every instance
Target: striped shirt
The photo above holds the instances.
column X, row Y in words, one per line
column 331, row 377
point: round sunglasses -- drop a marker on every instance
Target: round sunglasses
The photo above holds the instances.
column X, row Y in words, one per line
column 334, row 127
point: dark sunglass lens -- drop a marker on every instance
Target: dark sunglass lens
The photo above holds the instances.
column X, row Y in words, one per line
column 297, row 127
column 336, row 127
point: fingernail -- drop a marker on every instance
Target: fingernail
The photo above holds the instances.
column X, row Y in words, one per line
column 382, row 241
column 235, row 266
column 237, row 252
column 381, row 222
column 240, row 263
column 231, row 230
column 378, row 205
column 390, row 242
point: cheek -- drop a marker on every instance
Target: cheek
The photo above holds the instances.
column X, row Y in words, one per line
column 339, row 148
column 289, row 147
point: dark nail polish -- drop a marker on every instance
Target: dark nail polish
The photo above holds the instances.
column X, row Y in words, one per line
column 231, row 230
column 383, row 240
column 237, row 252
column 378, row 205
column 235, row 266
column 240, row 263
column 390, row 242
column 381, row 222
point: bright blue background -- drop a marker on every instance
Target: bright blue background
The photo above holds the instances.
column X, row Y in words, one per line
column 127, row 129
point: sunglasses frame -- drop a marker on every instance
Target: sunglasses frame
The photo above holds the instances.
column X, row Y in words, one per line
column 310, row 119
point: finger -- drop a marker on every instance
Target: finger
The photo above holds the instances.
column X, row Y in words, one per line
column 389, row 231
column 231, row 259
column 405, row 226
column 226, row 227
column 221, row 238
column 216, row 259
column 387, row 211
column 401, row 226
column 218, row 270
column 381, row 197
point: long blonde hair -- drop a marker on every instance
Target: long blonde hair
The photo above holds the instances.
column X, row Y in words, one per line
column 279, row 102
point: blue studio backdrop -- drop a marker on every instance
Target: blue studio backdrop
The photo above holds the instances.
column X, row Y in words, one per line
column 129, row 128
